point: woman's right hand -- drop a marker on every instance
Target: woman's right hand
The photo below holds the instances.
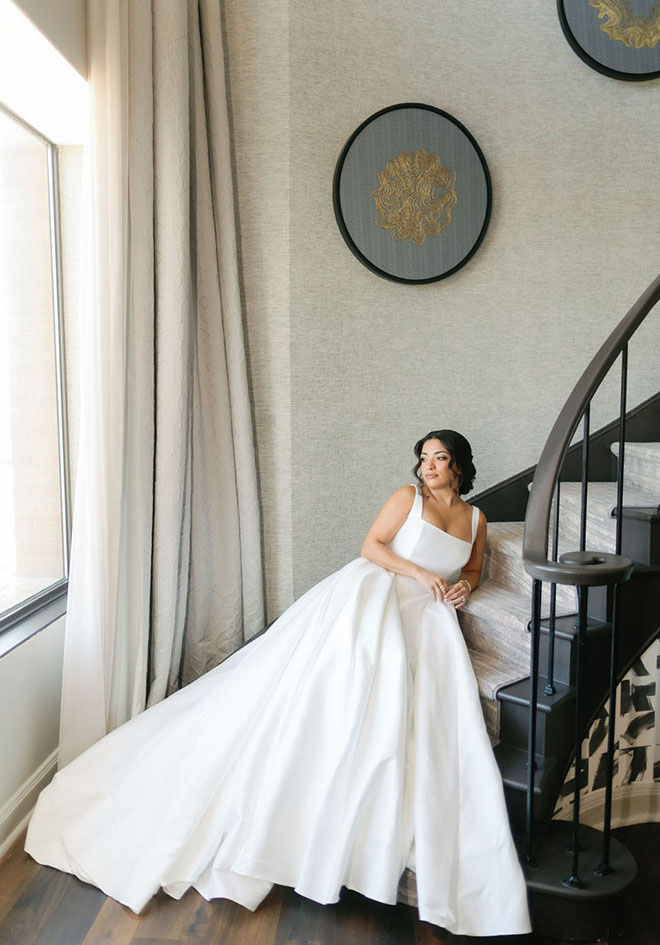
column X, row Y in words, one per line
column 435, row 584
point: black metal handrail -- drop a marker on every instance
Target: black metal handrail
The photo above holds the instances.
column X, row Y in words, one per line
column 537, row 518
column 581, row 569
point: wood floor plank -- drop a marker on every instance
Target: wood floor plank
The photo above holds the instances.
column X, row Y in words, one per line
column 34, row 909
column 391, row 925
column 17, row 870
column 351, row 919
column 73, row 916
column 114, row 925
column 301, row 920
column 165, row 918
column 202, row 923
column 200, row 927
column 239, row 926
column 428, row 934
column 354, row 920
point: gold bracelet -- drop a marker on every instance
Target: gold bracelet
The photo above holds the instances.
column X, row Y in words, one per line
column 465, row 581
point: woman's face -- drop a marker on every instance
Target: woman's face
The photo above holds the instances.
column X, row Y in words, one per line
column 434, row 470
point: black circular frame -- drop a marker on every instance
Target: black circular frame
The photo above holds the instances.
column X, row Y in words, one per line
column 595, row 63
column 337, row 204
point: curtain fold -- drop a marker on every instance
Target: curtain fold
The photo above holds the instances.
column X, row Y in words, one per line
column 166, row 573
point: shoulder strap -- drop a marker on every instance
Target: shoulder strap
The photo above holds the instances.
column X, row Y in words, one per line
column 475, row 521
column 416, row 508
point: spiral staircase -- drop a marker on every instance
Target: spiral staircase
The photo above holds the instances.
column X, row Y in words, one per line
column 568, row 654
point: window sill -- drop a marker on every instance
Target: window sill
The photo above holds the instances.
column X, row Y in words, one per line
column 38, row 619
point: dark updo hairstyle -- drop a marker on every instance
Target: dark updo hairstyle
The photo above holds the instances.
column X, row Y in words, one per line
column 460, row 453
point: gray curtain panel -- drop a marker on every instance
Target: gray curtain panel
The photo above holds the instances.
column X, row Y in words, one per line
column 207, row 582
column 166, row 570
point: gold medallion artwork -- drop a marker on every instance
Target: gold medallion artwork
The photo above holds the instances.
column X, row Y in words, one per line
column 415, row 196
column 627, row 27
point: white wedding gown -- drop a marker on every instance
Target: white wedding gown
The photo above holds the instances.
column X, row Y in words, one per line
column 342, row 745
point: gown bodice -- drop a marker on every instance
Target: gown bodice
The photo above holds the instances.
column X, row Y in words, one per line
column 431, row 547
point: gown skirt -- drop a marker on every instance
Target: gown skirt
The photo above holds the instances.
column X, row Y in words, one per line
column 341, row 746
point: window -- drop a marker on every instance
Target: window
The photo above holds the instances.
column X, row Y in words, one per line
column 34, row 486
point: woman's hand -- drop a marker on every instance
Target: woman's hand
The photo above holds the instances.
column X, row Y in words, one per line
column 457, row 594
column 435, row 584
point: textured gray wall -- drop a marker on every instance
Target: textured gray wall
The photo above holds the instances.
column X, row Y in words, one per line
column 256, row 61
column 348, row 369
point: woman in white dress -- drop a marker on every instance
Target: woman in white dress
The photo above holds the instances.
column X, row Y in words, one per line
column 339, row 747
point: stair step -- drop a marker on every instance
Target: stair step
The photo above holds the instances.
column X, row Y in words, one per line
column 518, row 693
column 494, row 624
column 553, row 716
column 601, row 526
column 566, row 626
column 591, row 911
column 503, row 564
column 512, row 763
column 641, row 465
column 490, row 678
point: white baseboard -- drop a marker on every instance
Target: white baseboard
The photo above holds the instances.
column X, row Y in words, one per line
column 631, row 804
column 15, row 813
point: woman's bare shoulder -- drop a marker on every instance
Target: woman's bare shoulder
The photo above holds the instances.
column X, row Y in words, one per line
column 404, row 495
column 401, row 500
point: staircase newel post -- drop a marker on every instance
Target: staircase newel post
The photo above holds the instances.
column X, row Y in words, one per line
column 582, row 593
column 537, row 589
column 604, row 867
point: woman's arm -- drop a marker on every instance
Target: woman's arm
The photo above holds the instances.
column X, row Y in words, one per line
column 386, row 524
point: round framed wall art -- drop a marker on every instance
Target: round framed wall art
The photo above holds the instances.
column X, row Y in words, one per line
column 620, row 38
column 412, row 193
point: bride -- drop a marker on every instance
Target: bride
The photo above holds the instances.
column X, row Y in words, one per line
column 341, row 746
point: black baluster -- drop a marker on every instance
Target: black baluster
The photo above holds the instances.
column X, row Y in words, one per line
column 585, row 474
column 574, row 878
column 622, row 448
column 537, row 589
column 604, row 866
column 550, row 685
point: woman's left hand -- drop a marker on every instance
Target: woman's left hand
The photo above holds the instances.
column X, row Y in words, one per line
column 457, row 594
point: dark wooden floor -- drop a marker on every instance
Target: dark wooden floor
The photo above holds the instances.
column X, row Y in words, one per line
column 40, row 906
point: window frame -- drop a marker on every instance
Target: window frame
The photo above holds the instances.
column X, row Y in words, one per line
column 32, row 614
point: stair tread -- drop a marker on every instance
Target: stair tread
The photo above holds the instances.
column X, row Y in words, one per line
column 493, row 601
column 645, row 450
column 603, row 495
column 491, row 676
column 496, row 604
column 601, row 525
column 518, row 692
column 551, row 866
column 566, row 625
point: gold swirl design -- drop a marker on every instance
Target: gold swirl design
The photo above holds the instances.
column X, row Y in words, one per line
column 415, row 196
column 628, row 27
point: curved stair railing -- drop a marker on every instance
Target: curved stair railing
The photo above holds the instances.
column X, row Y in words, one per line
column 582, row 569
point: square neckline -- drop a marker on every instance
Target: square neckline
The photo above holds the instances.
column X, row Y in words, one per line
column 419, row 496
column 449, row 534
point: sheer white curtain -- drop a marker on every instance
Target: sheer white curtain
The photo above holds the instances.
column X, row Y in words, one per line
column 166, row 575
